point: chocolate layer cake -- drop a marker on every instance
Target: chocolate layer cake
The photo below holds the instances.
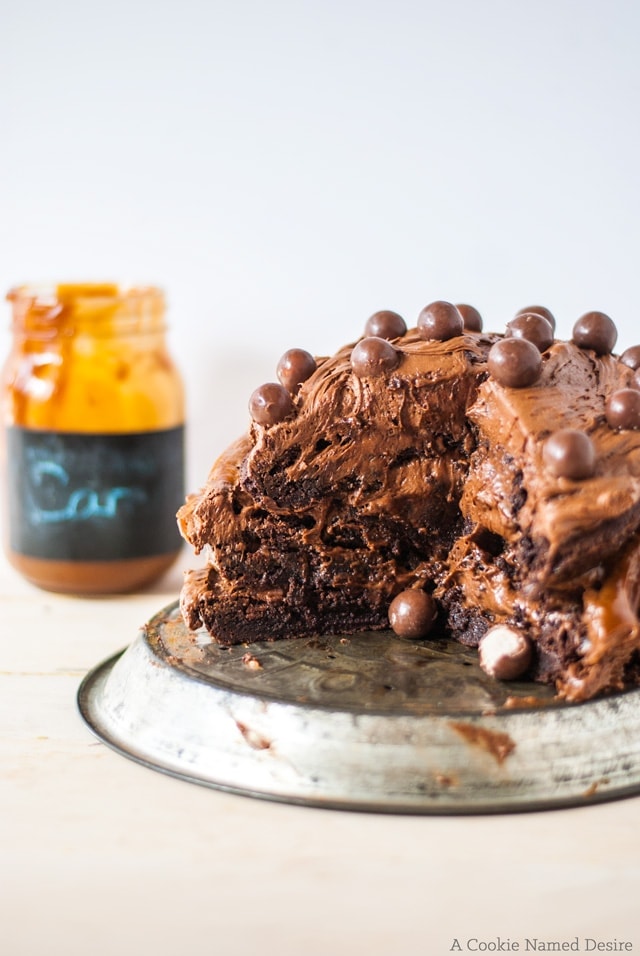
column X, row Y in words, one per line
column 443, row 480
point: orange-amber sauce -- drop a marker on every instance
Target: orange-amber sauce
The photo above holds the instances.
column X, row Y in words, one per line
column 90, row 358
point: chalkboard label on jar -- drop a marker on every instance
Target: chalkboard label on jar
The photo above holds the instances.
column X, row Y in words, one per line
column 75, row 496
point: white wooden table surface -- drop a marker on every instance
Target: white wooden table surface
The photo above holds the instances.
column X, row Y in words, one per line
column 99, row 855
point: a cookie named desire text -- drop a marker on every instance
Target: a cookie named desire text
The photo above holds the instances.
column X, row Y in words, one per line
column 533, row 944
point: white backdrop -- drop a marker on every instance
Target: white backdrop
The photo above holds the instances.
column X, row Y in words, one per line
column 284, row 168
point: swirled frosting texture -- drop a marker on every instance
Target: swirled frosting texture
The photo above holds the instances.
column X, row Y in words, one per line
column 431, row 474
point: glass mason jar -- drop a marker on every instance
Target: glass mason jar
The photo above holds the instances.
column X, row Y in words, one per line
column 93, row 409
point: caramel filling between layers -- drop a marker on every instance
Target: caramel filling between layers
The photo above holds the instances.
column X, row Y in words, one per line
column 613, row 629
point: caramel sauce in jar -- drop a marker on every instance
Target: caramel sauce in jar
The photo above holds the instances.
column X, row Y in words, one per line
column 93, row 439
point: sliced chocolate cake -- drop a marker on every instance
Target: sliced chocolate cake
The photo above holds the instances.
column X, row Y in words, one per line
column 442, row 481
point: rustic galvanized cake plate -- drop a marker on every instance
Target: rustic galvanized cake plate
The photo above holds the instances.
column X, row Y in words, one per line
column 364, row 722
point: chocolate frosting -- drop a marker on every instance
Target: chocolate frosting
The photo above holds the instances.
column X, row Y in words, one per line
column 431, row 474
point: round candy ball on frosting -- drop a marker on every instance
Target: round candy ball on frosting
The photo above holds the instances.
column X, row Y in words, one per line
column 623, row 409
column 539, row 310
column 440, row 321
column 569, row 453
column 505, row 652
column 412, row 613
column 295, row 367
column 595, row 331
column 515, row 363
column 471, row 318
column 532, row 327
column 270, row 403
column 631, row 357
column 373, row 356
column 385, row 325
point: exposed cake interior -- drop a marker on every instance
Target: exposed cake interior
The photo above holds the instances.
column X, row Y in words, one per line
column 418, row 468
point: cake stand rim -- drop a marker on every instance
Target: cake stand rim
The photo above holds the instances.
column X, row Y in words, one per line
column 92, row 686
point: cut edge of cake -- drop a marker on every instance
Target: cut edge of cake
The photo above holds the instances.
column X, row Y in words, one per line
column 426, row 460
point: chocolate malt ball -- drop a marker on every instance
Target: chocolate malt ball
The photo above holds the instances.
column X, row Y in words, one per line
column 471, row 318
column 385, row 325
column 623, row 409
column 412, row 613
column 515, row 363
column 270, row 403
column 440, row 321
column 539, row 310
column 505, row 652
column 294, row 368
column 534, row 328
column 595, row 331
column 569, row 453
column 373, row 356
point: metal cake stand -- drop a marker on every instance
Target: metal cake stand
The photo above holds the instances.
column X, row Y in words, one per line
column 365, row 722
